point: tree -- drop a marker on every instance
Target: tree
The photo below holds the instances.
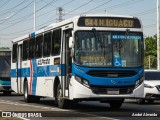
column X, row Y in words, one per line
column 4, row 48
column 151, row 52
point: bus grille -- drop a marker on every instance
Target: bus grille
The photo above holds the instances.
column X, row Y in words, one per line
column 104, row 90
column 111, row 74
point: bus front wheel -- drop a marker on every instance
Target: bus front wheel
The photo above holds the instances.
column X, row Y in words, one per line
column 62, row 102
column 116, row 103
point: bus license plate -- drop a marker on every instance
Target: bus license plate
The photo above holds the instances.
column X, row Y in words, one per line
column 113, row 92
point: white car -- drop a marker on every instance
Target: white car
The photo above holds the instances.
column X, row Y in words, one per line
column 151, row 87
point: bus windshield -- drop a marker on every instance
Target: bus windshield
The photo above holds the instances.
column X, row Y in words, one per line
column 5, row 63
column 108, row 49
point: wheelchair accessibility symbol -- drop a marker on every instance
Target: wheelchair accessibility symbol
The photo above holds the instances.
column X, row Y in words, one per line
column 117, row 62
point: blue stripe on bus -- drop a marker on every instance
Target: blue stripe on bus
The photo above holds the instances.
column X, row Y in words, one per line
column 2, row 82
column 41, row 71
column 34, row 74
column 106, row 81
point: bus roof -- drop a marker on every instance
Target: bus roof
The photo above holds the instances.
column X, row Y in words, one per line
column 67, row 21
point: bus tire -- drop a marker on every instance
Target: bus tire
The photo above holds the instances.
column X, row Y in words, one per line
column 116, row 103
column 27, row 97
column 62, row 103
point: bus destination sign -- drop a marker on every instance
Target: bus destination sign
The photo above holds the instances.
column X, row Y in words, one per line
column 109, row 22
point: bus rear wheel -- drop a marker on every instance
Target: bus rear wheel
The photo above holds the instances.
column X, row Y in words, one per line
column 62, row 102
column 27, row 97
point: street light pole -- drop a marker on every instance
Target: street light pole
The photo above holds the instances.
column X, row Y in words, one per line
column 158, row 35
column 34, row 15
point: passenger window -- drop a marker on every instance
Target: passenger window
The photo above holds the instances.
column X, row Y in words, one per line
column 56, row 42
column 39, row 45
column 14, row 53
column 47, row 44
column 31, row 48
column 25, row 50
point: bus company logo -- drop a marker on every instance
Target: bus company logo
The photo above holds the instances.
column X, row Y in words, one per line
column 6, row 114
column 113, row 82
column 43, row 61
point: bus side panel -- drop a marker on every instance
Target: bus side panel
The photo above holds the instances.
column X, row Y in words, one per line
column 42, row 77
column 13, row 77
column 44, row 86
column 45, row 76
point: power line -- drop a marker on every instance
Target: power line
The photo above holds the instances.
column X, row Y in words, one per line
column 24, row 19
column 11, row 9
column 79, row 6
column 17, row 12
column 124, row 4
column 26, row 16
column 145, row 12
column 98, row 6
column 36, row 11
column 5, row 3
column 121, row 5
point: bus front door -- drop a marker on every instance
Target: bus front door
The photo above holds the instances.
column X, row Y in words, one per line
column 67, row 62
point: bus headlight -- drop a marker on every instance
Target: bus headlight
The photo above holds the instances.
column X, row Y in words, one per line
column 82, row 81
column 79, row 79
column 139, row 82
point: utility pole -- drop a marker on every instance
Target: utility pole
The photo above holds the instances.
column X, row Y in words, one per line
column 60, row 13
column 34, row 15
column 149, row 62
column 158, row 35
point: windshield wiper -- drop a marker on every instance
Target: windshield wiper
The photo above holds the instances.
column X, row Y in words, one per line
column 122, row 42
column 97, row 38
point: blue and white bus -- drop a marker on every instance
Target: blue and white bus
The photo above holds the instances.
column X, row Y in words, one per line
column 5, row 66
column 88, row 57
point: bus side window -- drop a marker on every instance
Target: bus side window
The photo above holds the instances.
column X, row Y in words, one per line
column 39, row 45
column 25, row 50
column 56, row 42
column 47, row 44
column 14, row 53
column 31, row 48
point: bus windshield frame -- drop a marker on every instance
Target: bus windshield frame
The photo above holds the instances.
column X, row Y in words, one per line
column 109, row 49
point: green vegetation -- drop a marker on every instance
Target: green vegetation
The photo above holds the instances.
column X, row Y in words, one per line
column 150, row 53
column 4, row 47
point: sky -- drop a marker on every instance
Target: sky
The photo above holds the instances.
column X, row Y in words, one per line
column 17, row 18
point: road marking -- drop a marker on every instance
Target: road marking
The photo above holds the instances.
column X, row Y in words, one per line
column 23, row 118
column 108, row 118
column 29, row 105
column 51, row 108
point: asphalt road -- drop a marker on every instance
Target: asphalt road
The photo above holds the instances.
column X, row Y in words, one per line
column 45, row 109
